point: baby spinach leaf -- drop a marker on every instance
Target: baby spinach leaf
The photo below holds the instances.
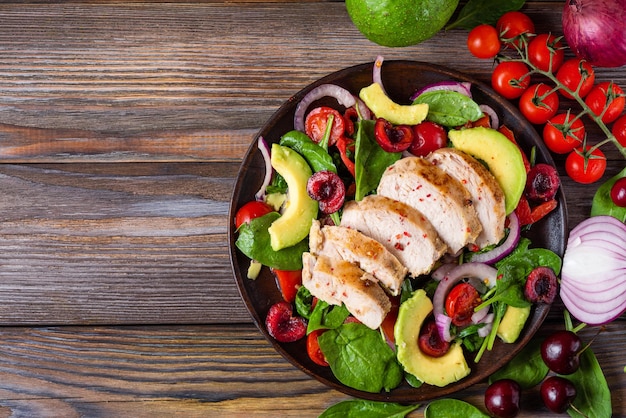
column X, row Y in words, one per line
column 449, row 108
column 602, row 203
column 360, row 358
column 370, row 160
column 452, row 408
column 254, row 242
column 359, row 408
column 593, row 397
column 304, row 302
column 317, row 157
column 527, row 367
column 326, row 316
column 476, row 12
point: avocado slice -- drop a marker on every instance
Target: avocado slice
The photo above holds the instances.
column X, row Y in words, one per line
column 382, row 106
column 512, row 323
column 300, row 210
column 437, row 371
column 502, row 157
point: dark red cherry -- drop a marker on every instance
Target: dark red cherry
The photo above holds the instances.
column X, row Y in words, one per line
column 542, row 183
column 430, row 342
column 283, row 325
column 557, row 393
column 541, row 285
column 393, row 138
column 561, row 351
column 328, row 189
column 502, row 398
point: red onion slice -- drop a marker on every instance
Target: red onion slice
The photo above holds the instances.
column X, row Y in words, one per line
column 443, row 323
column 265, row 152
column 494, row 120
column 377, row 72
column 441, row 271
column 462, row 87
column 504, row 249
column 343, row 97
column 478, row 316
column 488, row 320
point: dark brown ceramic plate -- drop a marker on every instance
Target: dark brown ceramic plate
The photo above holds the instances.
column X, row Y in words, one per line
column 401, row 79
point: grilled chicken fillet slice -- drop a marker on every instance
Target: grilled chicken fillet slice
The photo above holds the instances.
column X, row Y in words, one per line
column 367, row 253
column 487, row 195
column 441, row 198
column 402, row 229
column 337, row 281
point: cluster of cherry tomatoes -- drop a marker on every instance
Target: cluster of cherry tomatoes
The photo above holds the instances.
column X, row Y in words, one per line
column 543, row 56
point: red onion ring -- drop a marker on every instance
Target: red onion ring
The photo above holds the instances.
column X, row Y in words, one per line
column 443, row 323
column 504, row 249
column 488, row 320
column 494, row 120
column 265, row 152
column 462, row 87
column 376, row 73
column 343, row 97
column 441, row 271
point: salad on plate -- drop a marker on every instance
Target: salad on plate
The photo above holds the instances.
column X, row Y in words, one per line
column 396, row 233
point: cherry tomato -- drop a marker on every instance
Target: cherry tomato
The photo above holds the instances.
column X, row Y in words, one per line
column 606, row 97
column 546, row 52
column 313, row 348
column 251, row 210
column 483, row 41
column 317, row 120
column 460, row 303
column 510, row 79
column 288, row 282
column 563, row 133
column 512, row 24
column 427, row 137
column 618, row 192
column 539, row 103
column 584, row 168
column 619, row 130
column 574, row 73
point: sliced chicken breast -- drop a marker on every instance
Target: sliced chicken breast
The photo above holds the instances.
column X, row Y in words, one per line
column 337, row 281
column 441, row 198
column 355, row 247
column 487, row 195
column 401, row 228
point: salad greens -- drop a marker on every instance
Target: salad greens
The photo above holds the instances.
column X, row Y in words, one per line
column 359, row 408
column 450, row 108
column 476, row 12
column 527, row 368
column 452, row 408
column 602, row 203
column 318, row 158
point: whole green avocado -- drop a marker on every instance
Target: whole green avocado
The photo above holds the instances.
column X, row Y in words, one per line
column 398, row 23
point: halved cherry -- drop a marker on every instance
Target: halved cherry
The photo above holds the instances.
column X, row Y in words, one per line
column 541, row 285
column 429, row 341
column 282, row 325
column 392, row 138
column 328, row 189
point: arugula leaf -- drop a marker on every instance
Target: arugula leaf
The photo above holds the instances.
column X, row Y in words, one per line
column 602, row 203
column 254, row 242
column 360, row 408
column 527, row 367
column 360, row 358
column 449, row 108
column 370, row 160
column 452, row 408
column 476, row 12
column 593, row 397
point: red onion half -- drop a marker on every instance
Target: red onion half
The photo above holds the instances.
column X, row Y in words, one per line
column 595, row 30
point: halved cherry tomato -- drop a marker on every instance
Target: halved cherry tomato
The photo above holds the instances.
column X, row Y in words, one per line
column 576, row 72
column 539, row 103
column 510, row 79
column 504, row 130
column 317, row 120
column 585, row 167
column 288, row 282
column 460, row 303
column 313, row 348
column 251, row 210
column 606, row 97
column 483, row 41
column 546, row 52
column 429, row 341
column 563, row 133
column 512, row 24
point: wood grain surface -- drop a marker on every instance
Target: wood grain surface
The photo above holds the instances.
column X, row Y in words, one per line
column 122, row 128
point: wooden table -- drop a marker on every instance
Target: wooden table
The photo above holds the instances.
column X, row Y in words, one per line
column 122, row 127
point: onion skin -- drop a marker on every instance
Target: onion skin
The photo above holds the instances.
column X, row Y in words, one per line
column 595, row 30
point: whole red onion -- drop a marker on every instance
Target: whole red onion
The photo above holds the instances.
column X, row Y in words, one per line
column 595, row 30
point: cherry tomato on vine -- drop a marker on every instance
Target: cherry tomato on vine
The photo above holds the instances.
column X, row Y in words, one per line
column 251, row 210
column 510, row 79
column 428, row 136
column 483, row 41
column 618, row 192
column 460, row 303
column 619, row 130
column 545, row 48
column 539, row 103
column 563, row 133
column 513, row 24
column 313, row 348
column 583, row 167
column 606, row 95
column 575, row 72
column 317, row 120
